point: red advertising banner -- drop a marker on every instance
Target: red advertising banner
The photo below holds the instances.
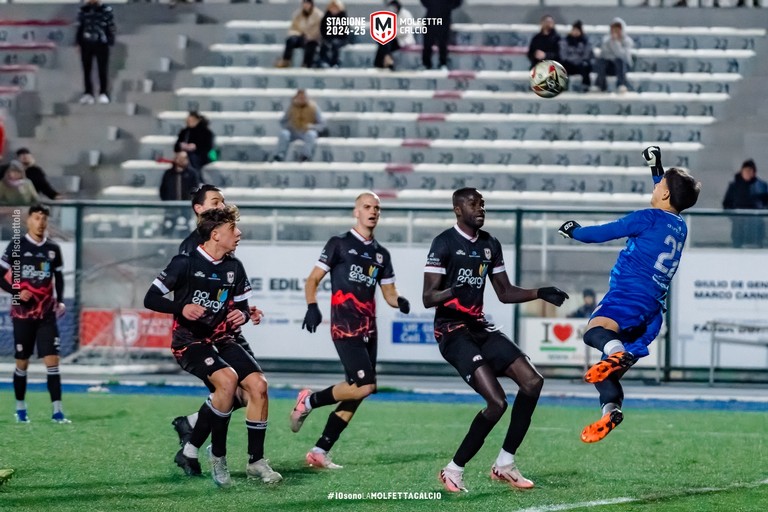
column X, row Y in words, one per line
column 129, row 328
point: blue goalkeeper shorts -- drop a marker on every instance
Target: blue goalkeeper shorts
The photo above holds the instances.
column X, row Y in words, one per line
column 639, row 319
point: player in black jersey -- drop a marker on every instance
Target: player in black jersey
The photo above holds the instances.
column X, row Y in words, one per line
column 357, row 262
column 211, row 291
column 31, row 268
column 459, row 261
column 204, row 198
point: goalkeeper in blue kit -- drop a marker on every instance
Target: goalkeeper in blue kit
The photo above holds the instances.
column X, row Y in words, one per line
column 629, row 317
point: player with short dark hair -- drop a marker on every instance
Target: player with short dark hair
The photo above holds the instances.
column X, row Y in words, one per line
column 630, row 315
column 460, row 259
column 211, row 291
column 32, row 268
column 357, row 263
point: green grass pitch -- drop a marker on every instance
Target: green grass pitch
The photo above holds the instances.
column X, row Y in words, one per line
column 117, row 455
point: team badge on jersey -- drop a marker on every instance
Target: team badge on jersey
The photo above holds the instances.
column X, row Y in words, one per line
column 230, row 277
column 51, row 255
column 487, row 253
column 379, row 258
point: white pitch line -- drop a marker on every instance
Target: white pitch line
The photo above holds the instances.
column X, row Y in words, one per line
column 625, row 499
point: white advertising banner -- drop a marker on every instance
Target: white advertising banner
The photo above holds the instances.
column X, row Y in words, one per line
column 558, row 341
column 718, row 284
column 277, row 274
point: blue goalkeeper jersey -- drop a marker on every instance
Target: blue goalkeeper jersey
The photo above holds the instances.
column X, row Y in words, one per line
column 645, row 267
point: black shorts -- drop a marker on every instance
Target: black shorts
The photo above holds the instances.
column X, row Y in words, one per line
column 240, row 340
column 358, row 357
column 43, row 331
column 204, row 359
column 468, row 349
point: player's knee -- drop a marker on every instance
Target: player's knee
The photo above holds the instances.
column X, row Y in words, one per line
column 597, row 337
column 495, row 408
column 257, row 386
column 532, row 385
column 365, row 390
column 225, row 381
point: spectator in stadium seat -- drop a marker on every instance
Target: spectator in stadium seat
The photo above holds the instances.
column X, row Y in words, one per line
column 36, row 174
column 196, row 139
column 333, row 36
column 615, row 57
column 546, row 44
column 180, row 180
column 384, row 52
column 438, row 34
column 304, row 33
column 95, row 34
column 576, row 54
column 586, row 309
column 303, row 121
column 15, row 189
column 747, row 192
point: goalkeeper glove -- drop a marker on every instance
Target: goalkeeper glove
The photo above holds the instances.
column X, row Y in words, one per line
column 652, row 157
column 313, row 318
column 552, row 295
column 567, row 229
column 403, row 305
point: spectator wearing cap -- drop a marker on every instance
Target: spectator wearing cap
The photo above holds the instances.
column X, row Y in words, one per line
column 576, row 54
column 36, row 174
column 586, row 309
column 15, row 189
column 304, row 33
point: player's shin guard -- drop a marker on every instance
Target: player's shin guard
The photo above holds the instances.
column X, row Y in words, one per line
column 202, row 426
column 219, row 429
column 473, row 441
column 322, row 398
column 54, row 383
column 20, row 384
column 333, row 429
column 257, row 431
column 610, row 391
column 599, row 337
column 519, row 421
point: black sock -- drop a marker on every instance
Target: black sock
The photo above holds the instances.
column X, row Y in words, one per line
column 519, row 421
column 257, row 431
column 20, row 383
column 333, row 429
column 322, row 398
column 54, row 383
column 219, row 429
column 610, row 391
column 473, row 441
column 202, row 426
column 597, row 337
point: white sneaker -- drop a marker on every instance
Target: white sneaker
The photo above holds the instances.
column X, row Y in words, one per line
column 103, row 99
column 261, row 470
column 622, row 89
column 87, row 99
column 452, row 480
column 219, row 469
column 511, row 475
column 321, row 460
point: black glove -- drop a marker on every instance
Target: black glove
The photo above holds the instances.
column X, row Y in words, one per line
column 403, row 305
column 652, row 157
column 313, row 318
column 552, row 295
column 567, row 229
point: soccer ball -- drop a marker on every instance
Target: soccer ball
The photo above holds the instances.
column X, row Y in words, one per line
column 548, row 79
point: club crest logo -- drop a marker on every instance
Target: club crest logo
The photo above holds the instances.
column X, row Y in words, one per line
column 230, row 277
column 487, row 253
column 383, row 26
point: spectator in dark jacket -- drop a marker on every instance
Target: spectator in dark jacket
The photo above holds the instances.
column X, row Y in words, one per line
column 197, row 140
column 304, row 33
column 333, row 35
column 576, row 54
column 36, row 174
column 95, row 34
column 586, row 309
column 438, row 34
column 180, row 180
column 546, row 44
column 747, row 192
